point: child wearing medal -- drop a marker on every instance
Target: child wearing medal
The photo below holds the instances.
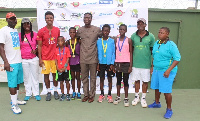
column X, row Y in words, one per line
column 62, row 59
column 106, row 57
column 74, row 61
column 123, row 63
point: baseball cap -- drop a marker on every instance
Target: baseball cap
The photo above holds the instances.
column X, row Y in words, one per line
column 10, row 14
column 24, row 20
column 142, row 19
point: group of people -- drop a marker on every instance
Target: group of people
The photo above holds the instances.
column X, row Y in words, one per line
column 88, row 51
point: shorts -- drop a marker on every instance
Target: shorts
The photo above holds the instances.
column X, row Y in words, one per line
column 122, row 67
column 50, row 66
column 15, row 77
column 158, row 81
column 75, row 68
column 103, row 68
column 141, row 74
column 64, row 76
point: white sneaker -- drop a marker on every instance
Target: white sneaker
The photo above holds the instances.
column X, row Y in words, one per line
column 135, row 101
column 16, row 109
column 143, row 103
column 117, row 100
column 126, row 102
column 21, row 102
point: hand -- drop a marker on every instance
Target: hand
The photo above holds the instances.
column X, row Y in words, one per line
column 33, row 51
column 98, row 67
column 6, row 66
column 60, row 70
column 166, row 74
column 151, row 70
column 41, row 63
column 114, row 69
column 129, row 69
column 111, row 68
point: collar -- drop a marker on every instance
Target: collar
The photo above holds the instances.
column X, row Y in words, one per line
column 147, row 33
column 163, row 42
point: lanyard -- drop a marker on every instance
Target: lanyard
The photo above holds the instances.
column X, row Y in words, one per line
column 60, row 54
column 120, row 48
column 72, row 48
column 104, row 48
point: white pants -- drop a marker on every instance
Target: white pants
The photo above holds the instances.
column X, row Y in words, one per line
column 31, row 76
column 140, row 74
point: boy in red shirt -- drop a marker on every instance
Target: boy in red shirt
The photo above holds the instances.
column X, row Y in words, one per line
column 62, row 64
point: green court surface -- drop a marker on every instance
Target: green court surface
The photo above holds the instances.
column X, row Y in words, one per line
column 185, row 105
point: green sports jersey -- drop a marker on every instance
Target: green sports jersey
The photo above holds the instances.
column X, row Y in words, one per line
column 141, row 51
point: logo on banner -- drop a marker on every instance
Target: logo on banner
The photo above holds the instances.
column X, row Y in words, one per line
column 76, row 15
column 105, row 14
column 75, row 4
column 111, row 25
column 120, row 3
column 63, row 17
column 92, row 3
column 61, row 5
column 77, row 27
column 134, row 13
column 105, row 1
column 133, row 1
column 119, row 13
column 49, row 4
column 129, row 26
column 64, row 28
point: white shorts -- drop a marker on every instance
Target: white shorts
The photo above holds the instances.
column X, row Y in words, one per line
column 140, row 74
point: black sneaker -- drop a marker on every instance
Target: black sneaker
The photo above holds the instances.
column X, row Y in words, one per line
column 68, row 97
column 56, row 96
column 62, row 97
column 48, row 97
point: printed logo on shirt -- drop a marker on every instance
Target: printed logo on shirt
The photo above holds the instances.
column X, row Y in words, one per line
column 15, row 40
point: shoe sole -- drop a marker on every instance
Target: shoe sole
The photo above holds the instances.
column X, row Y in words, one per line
column 135, row 104
column 126, row 105
column 16, row 113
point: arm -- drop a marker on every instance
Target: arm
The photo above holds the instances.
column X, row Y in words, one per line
column 167, row 72
column 131, row 55
column 41, row 63
column 3, row 56
column 113, row 56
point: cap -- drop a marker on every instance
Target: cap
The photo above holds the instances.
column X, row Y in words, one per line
column 142, row 19
column 24, row 20
column 10, row 14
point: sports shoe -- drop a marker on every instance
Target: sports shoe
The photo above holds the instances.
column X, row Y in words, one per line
column 126, row 102
column 144, row 103
column 78, row 96
column 48, row 97
column 154, row 105
column 109, row 99
column 16, row 109
column 73, row 96
column 168, row 113
column 37, row 97
column 136, row 100
column 27, row 98
column 68, row 97
column 56, row 96
column 101, row 98
column 19, row 102
column 62, row 97
column 117, row 100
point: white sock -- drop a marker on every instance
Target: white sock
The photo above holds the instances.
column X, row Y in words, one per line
column 137, row 95
column 143, row 95
column 14, row 99
column 17, row 92
column 48, row 90
column 55, row 88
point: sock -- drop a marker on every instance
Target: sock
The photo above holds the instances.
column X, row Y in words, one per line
column 55, row 88
column 48, row 90
column 14, row 99
column 143, row 95
column 17, row 92
column 137, row 95
column 109, row 93
column 102, row 92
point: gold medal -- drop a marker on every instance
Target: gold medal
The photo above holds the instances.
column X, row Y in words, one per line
column 104, row 55
column 51, row 38
column 73, row 48
column 25, row 40
column 73, row 56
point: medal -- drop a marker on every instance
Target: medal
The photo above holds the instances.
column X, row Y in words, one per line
column 72, row 48
column 61, row 58
column 104, row 47
column 120, row 48
column 60, row 63
column 120, row 54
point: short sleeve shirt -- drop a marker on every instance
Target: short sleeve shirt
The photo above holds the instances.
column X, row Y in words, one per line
column 142, row 52
column 49, row 42
column 62, row 58
column 164, row 55
column 88, row 46
column 10, row 38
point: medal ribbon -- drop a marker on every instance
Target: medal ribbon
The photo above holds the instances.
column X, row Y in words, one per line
column 60, row 54
column 72, row 48
column 104, row 48
column 120, row 48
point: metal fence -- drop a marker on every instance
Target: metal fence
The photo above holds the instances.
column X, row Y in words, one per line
column 163, row 4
